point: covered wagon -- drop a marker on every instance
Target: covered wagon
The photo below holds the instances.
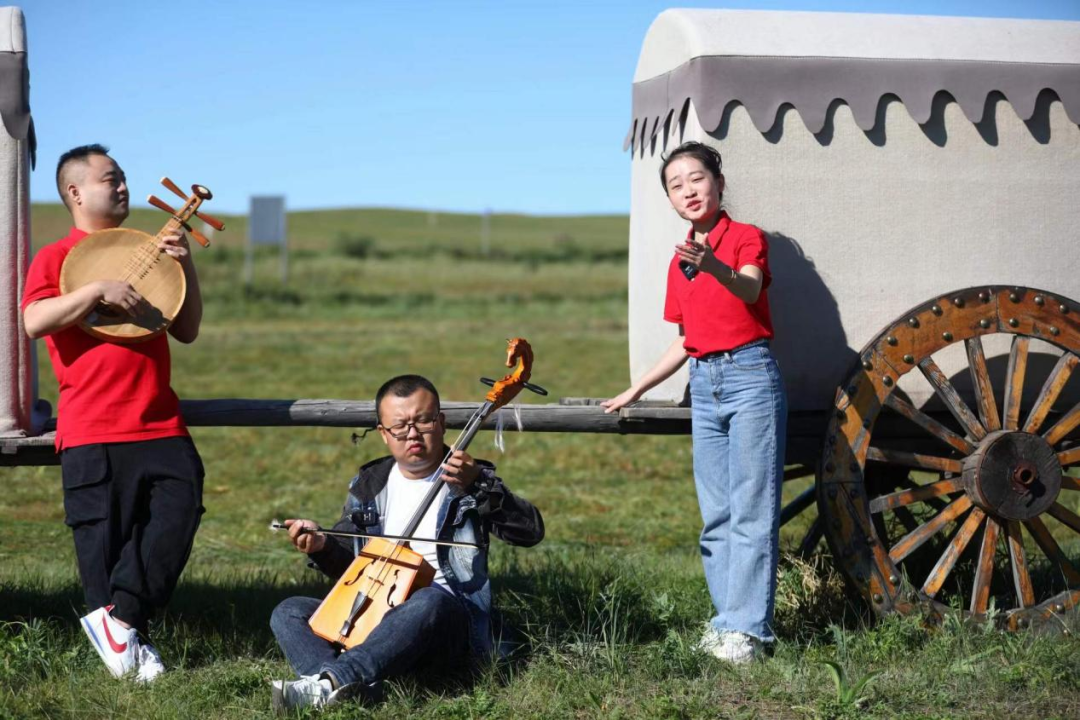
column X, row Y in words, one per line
column 917, row 180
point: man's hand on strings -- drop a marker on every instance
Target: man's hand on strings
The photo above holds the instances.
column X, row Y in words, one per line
column 460, row 470
column 175, row 245
column 118, row 294
column 304, row 536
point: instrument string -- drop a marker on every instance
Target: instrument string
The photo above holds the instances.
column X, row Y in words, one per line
column 383, row 571
column 142, row 260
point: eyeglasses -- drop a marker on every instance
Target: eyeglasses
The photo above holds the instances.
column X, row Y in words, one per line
column 401, row 430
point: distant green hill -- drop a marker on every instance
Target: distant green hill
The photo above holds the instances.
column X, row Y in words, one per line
column 394, row 232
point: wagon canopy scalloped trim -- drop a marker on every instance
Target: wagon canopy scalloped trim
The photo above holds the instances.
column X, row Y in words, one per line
column 812, row 84
column 766, row 60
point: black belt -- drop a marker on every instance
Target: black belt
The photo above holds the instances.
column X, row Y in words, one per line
column 727, row 353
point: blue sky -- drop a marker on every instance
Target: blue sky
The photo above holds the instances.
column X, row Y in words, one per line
column 513, row 106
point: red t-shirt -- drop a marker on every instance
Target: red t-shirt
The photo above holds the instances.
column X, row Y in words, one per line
column 713, row 319
column 108, row 392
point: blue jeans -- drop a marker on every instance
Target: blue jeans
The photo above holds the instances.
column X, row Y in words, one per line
column 739, row 413
column 430, row 629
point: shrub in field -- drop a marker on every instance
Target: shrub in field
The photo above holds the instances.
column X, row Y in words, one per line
column 354, row 246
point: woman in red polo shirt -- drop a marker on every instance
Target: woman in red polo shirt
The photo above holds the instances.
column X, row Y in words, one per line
column 716, row 294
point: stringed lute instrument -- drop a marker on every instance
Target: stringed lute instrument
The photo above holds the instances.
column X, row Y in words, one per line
column 133, row 256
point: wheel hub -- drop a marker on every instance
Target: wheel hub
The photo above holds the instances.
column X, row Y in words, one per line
column 1013, row 475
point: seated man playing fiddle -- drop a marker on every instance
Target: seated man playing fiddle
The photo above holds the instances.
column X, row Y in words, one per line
column 442, row 625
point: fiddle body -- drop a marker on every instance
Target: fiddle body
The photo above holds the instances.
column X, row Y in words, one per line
column 381, row 577
column 387, row 572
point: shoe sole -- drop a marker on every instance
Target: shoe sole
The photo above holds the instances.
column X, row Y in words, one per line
column 98, row 647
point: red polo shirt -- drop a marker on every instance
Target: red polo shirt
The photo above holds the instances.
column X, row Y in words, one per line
column 713, row 319
column 108, row 392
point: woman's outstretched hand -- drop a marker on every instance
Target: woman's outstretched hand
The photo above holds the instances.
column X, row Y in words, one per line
column 702, row 257
column 625, row 398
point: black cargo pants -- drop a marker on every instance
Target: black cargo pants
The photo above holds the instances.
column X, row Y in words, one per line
column 133, row 508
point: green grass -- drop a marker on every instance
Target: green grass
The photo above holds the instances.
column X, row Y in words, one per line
column 608, row 607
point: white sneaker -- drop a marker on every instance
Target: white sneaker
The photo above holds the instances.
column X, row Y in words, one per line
column 150, row 665
column 118, row 646
column 314, row 691
column 712, row 640
column 740, row 649
column 308, row 691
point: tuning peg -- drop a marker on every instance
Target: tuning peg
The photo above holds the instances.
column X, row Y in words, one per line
column 160, row 204
column 199, row 237
column 535, row 388
column 210, row 220
column 528, row 386
column 173, row 187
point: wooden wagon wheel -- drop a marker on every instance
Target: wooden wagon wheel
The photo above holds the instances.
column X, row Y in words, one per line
column 954, row 531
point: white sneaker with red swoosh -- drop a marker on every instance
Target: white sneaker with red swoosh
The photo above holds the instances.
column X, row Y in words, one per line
column 118, row 646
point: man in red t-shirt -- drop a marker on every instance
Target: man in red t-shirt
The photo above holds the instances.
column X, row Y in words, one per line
column 131, row 474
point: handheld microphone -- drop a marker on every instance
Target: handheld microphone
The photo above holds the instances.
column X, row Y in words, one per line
column 688, row 270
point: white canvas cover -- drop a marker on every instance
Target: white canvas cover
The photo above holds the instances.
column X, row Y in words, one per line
column 889, row 159
column 16, row 139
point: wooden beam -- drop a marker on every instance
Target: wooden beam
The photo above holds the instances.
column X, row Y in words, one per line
column 241, row 412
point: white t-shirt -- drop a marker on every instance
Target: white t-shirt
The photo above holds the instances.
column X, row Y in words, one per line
column 403, row 497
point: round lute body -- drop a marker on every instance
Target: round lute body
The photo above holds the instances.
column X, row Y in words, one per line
column 130, row 256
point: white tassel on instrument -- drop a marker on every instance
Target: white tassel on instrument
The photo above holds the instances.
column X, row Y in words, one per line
column 500, row 422
column 500, row 425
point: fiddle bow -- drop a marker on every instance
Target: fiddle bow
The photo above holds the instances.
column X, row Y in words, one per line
column 387, row 571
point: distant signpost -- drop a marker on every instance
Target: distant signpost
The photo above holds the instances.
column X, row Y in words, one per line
column 266, row 226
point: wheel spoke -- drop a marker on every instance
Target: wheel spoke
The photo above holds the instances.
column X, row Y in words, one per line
column 1066, row 516
column 906, row 519
column 1067, row 458
column 920, row 494
column 980, row 592
column 797, row 472
column 1025, row 593
column 812, row 538
column 914, row 539
column 1052, row 550
column 951, row 398
column 804, row 500
column 929, row 424
column 1068, row 422
column 1053, row 386
column 935, row 502
column 980, row 380
column 914, row 460
column 948, row 558
column 1068, row 482
column 1014, row 384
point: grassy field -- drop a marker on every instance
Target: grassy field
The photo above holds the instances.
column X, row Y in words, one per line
column 609, row 606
